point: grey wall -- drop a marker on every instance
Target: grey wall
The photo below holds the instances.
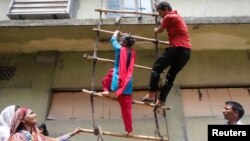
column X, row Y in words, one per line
column 37, row 73
column 193, row 8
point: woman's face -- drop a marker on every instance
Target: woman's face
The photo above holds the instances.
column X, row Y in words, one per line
column 30, row 117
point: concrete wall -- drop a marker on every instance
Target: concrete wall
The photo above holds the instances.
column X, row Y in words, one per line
column 4, row 6
column 38, row 73
column 205, row 68
column 70, row 70
column 31, row 83
column 220, row 58
column 84, row 9
column 211, row 8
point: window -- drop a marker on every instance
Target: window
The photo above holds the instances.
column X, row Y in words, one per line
column 129, row 5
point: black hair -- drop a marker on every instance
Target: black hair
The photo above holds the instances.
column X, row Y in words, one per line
column 162, row 5
column 42, row 126
column 129, row 40
column 16, row 107
column 236, row 107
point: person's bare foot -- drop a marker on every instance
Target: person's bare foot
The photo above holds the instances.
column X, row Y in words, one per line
column 159, row 103
column 129, row 134
column 150, row 97
column 104, row 93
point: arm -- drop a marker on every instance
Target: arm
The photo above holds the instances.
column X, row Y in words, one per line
column 66, row 137
column 158, row 29
column 115, row 44
column 50, row 139
column 116, row 33
column 75, row 132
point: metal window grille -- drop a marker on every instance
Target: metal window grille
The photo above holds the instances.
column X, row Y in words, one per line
column 40, row 9
column 7, row 72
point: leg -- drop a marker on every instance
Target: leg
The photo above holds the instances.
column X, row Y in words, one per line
column 161, row 63
column 183, row 56
column 106, row 82
column 125, row 102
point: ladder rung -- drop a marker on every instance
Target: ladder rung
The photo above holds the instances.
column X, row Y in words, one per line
column 133, row 102
column 126, row 136
column 125, row 12
column 89, row 57
column 137, row 37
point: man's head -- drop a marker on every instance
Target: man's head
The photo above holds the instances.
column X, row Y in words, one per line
column 163, row 8
column 233, row 110
column 128, row 40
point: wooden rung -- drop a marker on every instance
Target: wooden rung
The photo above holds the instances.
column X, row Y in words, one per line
column 125, row 135
column 133, row 101
column 86, row 56
column 125, row 12
column 137, row 37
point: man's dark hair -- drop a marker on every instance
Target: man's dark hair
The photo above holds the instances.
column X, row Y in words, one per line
column 162, row 6
column 44, row 128
column 236, row 107
column 129, row 40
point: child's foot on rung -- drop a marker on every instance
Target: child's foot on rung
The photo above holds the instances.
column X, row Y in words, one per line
column 129, row 134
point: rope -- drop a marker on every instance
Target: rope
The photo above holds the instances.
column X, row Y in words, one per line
column 93, row 80
column 157, row 130
column 97, row 129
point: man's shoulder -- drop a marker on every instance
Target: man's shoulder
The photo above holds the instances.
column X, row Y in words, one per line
column 240, row 123
column 172, row 15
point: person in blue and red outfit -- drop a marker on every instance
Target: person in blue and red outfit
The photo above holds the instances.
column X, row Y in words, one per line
column 119, row 78
column 176, row 56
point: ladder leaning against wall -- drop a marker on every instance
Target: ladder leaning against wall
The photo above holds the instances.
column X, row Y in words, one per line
column 97, row 129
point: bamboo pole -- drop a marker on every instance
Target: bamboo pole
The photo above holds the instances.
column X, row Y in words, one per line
column 125, row 135
column 137, row 37
column 125, row 12
column 86, row 56
column 133, row 101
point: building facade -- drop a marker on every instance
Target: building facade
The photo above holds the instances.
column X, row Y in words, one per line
column 42, row 43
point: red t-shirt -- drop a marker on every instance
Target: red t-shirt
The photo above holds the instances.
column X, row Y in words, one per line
column 177, row 30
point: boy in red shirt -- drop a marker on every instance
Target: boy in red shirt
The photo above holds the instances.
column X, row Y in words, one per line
column 176, row 56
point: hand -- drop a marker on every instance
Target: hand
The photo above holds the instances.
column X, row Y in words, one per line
column 116, row 33
column 155, row 29
column 76, row 131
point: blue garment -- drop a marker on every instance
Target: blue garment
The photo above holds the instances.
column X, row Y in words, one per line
column 24, row 135
column 115, row 79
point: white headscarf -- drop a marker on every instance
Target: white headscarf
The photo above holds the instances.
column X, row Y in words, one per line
column 6, row 117
column 4, row 133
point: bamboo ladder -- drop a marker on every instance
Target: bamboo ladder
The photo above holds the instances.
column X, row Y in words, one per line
column 94, row 58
